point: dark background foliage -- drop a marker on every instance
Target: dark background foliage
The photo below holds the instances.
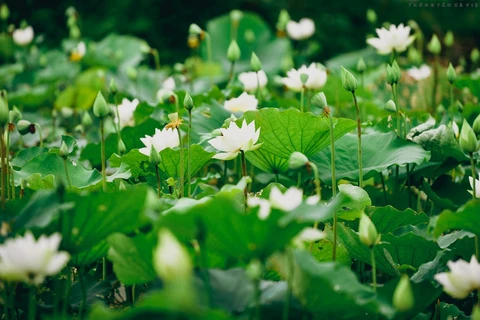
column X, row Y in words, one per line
column 341, row 25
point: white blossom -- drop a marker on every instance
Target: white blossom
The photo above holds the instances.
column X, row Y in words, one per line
column 125, row 112
column 250, row 80
column 244, row 102
column 23, row 37
column 421, row 73
column 162, row 139
column 301, row 30
column 395, row 38
column 317, row 77
column 462, row 279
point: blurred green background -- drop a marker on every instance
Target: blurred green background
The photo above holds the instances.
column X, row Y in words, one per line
column 341, row 26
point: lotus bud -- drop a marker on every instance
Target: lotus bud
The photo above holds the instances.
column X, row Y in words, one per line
column 24, row 127
column 367, row 231
column 468, row 140
column 396, row 71
column 297, row 160
column 4, row 113
column 361, row 66
column 170, row 259
column 414, row 56
column 188, row 102
column 390, row 106
column 86, row 120
column 79, row 129
column 113, row 87
column 255, row 63
column 233, row 52
column 195, row 29
column 75, row 32
column 14, row 115
column 132, row 73
column 249, row 36
column 451, row 74
column 475, row 55
column 348, row 80
column 283, row 19
column 254, row 270
column 100, row 108
column 319, row 100
column 121, row 186
column 371, row 16
column 403, row 299
column 390, row 75
column 121, row 147
column 449, row 39
column 4, row 12
column 154, row 157
column 434, row 45
column 64, row 150
column 476, row 125
column 236, row 16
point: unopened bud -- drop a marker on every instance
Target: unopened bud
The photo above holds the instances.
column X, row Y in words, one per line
column 255, row 63
column 236, row 16
column 64, row 150
column 4, row 12
column 14, row 115
column 24, row 127
column 414, row 56
column 113, row 87
column 367, row 231
column 188, row 102
column 449, row 39
column 233, row 52
column 254, row 270
column 476, row 125
column 154, row 156
column 121, row 147
column 283, row 19
column 475, row 55
column 100, row 108
column 434, row 45
column 361, row 66
column 319, row 100
column 390, row 106
column 371, row 16
column 121, row 186
column 451, row 74
column 348, row 80
column 390, row 75
column 195, row 29
column 297, row 160
column 403, row 299
column 4, row 113
column 468, row 140
column 396, row 71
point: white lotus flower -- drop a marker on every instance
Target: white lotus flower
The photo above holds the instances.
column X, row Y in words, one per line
column 244, row 102
column 287, row 201
column 169, row 84
column 396, row 38
column 23, row 37
column 28, row 260
column 235, row 139
column 301, row 30
column 170, row 259
column 125, row 112
column 477, row 187
column 317, row 77
column 456, row 130
column 421, row 73
column 311, row 234
column 166, row 138
column 462, row 279
column 250, row 80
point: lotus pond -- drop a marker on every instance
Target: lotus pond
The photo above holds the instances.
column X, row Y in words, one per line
column 247, row 182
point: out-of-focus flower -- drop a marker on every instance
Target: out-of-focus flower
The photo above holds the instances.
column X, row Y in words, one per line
column 317, row 77
column 477, row 187
column 244, row 102
column 462, row 279
column 287, row 201
column 395, row 38
column 162, row 139
column 28, row 260
column 250, row 80
column 78, row 52
column 169, row 84
column 301, row 30
column 421, row 73
column 170, row 259
column 235, row 139
column 310, row 234
column 23, row 37
column 125, row 112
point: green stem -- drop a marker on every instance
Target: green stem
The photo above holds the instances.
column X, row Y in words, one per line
column 6, row 306
column 316, row 177
column 104, row 174
column 225, row 172
column 32, row 303
column 359, row 133
column 451, row 95
column 397, row 110
column 384, row 189
column 302, row 94
column 66, row 173
column 40, row 135
column 156, row 57
column 84, row 292
column 374, row 269
column 408, row 186
column 288, row 294
column 54, row 124
column 7, row 165
column 474, row 196
column 182, row 165
column 134, row 287
column 11, row 172
column 231, row 73
column 159, row 185
column 189, row 153
column 244, row 173
column 117, row 127
column 3, row 168
column 259, row 90
column 209, row 53
column 66, row 293
column 435, row 84
column 104, row 269
column 334, row 187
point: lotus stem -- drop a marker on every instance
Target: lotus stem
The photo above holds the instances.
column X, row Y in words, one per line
column 3, row 167
column 159, row 185
column 117, row 125
column 40, row 135
column 302, row 96
column 66, row 172
column 182, row 165
column 374, row 269
column 288, row 294
column 359, row 133
column 209, row 53
column 474, row 196
column 189, row 153
column 231, row 73
column 259, row 90
column 334, row 187
column 244, row 173
column 32, row 303
column 102, row 137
